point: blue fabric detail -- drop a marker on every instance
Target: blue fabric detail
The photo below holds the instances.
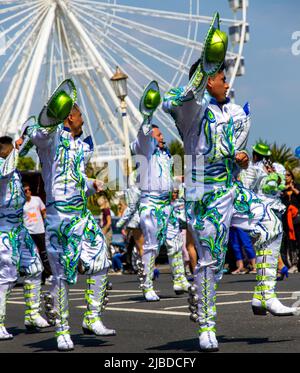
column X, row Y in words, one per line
column 213, row 101
column 67, row 129
column 247, row 108
column 88, row 140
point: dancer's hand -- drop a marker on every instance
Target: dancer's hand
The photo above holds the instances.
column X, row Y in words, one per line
column 19, row 142
column 98, row 185
column 242, row 160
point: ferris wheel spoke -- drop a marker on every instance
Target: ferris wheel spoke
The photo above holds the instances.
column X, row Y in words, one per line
column 12, row 94
column 162, row 35
column 91, row 97
column 18, row 24
column 139, row 45
column 21, row 5
column 25, row 98
column 19, row 48
column 26, row 36
column 188, row 17
column 139, row 66
column 18, row 14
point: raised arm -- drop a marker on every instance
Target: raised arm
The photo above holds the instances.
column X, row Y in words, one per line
column 186, row 108
column 144, row 144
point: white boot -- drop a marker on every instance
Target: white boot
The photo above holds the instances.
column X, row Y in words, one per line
column 4, row 335
column 274, row 306
column 208, row 342
column 174, row 248
column 96, row 296
column 37, row 322
column 264, row 298
column 96, row 328
column 64, row 343
column 147, row 286
column 32, row 294
column 181, row 287
column 4, row 294
column 150, row 295
column 203, row 293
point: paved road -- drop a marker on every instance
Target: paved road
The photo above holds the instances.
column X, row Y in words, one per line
column 164, row 326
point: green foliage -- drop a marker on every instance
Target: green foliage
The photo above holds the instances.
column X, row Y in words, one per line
column 26, row 164
column 176, row 147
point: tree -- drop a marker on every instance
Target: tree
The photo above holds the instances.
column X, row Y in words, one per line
column 176, row 147
column 26, row 164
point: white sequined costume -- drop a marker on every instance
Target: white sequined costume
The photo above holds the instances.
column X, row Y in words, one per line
column 18, row 253
column 74, row 240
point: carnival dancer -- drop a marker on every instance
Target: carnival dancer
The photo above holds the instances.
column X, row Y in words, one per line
column 74, row 240
column 18, row 253
column 264, row 177
column 267, row 180
column 157, row 220
column 214, row 132
column 131, row 220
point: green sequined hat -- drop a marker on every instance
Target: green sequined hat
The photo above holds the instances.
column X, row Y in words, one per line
column 215, row 47
column 151, row 99
column 59, row 105
column 262, row 149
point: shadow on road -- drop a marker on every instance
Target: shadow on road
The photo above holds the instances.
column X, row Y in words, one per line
column 78, row 339
column 192, row 345
column 250, row 341
column 188, row 345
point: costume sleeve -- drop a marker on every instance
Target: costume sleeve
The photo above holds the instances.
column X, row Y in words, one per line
column 249, row 177
column 187, row 105
column 90, row 186
column 8, row 165
column 133, row 198
column 144, row 144
column 242, row 121
column 40, row 136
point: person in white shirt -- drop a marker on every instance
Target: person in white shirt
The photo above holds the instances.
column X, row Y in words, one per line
column 34, row 213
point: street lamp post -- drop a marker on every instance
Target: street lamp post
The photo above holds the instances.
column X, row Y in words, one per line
column 119, row 82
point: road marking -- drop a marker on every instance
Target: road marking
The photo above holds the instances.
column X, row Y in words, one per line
column 139, row 310
column 225, row 303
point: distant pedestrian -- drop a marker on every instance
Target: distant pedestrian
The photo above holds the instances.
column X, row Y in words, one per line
column 34, row 214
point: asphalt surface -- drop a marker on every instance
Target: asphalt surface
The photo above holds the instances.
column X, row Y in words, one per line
column 164, row 327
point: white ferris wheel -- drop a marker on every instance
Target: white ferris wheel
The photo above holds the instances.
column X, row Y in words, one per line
column 47, row 41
